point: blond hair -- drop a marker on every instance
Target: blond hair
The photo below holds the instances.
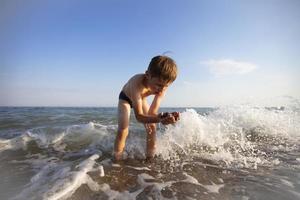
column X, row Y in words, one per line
column 163, row 67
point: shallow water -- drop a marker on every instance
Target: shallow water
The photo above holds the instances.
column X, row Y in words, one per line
column 234, row 152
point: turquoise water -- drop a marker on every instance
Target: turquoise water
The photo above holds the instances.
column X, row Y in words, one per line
column 234, row 152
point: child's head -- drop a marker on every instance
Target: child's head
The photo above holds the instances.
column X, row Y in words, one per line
column 164, row 68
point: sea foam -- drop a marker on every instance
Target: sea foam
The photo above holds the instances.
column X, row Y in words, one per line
column 60, row 180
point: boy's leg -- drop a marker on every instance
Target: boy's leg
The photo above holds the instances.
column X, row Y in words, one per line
column 151, row 140
column 151, row 133
column 123, row 123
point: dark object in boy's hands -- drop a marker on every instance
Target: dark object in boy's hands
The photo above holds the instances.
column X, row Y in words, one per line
column 164, row 114
column 176, row 115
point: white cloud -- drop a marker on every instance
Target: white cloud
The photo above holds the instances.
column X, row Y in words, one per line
column 228, row 66
column 187, row 83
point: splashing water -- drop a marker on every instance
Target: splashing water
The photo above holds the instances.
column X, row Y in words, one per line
column 239, row 136
column 228, row 152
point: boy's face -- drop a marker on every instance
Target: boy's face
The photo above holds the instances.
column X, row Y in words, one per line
column 157, row 85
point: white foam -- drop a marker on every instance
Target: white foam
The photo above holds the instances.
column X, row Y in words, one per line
column 190, row 179
column 115, row 195
column 64, row 189
column 44, row 139
column 19, row 142
column 83, row 152
column 139, row 168
column 156, row 187
column 143, row 177
column 213, row 188
column 126, row 195
column 75, row 137
column 226, row 135
column 245, row 198
column 287, row 183
column 101, row 169
column 59, row 181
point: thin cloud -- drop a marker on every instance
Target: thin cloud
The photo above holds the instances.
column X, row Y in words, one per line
column 228, row 66
column 187, row 83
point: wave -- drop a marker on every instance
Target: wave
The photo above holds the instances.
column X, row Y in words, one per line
column 233, row 137
column 237, row 136
column 242, row 136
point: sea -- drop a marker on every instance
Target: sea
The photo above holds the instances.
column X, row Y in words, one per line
column 239, row 152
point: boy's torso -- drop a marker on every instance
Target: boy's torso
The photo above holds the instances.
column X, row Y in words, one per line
column 136, row 87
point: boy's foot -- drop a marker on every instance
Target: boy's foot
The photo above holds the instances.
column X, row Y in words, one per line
column 150, row 156
column 150, row 153
column 118, row 156
column 149, row 159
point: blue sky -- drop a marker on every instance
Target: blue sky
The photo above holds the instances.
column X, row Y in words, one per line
column 80, row 53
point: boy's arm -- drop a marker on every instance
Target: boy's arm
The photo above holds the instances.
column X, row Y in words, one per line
column 156, row 103
column 140, row 115
column 170, row 119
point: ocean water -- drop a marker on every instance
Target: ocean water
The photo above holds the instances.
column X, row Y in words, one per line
column 233, row 152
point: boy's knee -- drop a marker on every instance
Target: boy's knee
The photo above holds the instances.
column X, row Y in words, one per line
column 153, row 125
column 150, row 128
column 122, row 132
column 122, row 129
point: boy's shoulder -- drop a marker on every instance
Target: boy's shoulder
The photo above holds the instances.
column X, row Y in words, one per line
column 136, row 79
column 138, row 76
column 134, row 84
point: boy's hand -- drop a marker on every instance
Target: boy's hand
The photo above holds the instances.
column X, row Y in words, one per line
column 169, row 118
column 150, row 128
column 176, row 115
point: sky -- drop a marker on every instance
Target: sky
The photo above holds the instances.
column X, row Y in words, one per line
column 81, row 53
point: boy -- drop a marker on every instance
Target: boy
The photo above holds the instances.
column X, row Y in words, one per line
column 162, row 71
